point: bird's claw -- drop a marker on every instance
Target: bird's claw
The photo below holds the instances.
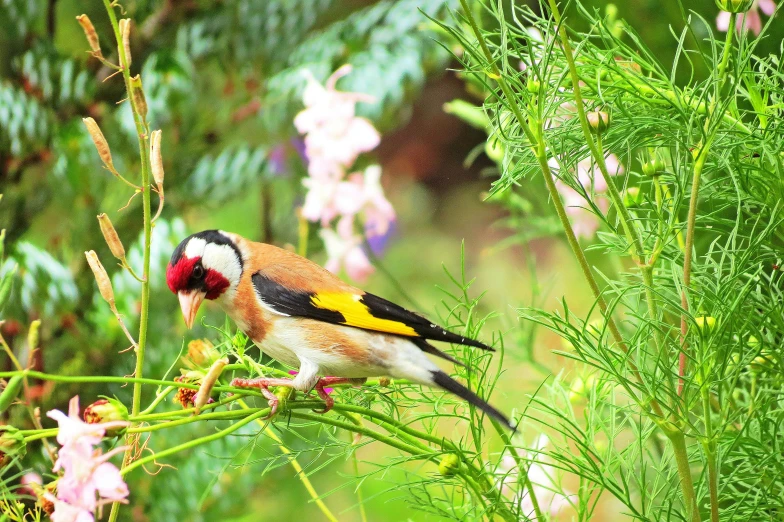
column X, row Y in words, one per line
column 263, row 385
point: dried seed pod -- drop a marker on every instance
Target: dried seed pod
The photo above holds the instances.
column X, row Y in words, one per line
column 90, row 33
column 101, row 277
column 203, row 395
column 111, row 237
column 125, row 31
column 32, row 334
column 156, row 159
column 137, row 93
column 100, row 142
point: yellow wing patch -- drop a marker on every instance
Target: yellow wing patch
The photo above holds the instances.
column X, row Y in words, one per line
column 358, row 315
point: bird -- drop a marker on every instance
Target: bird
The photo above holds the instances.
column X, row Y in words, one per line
column 306, row 317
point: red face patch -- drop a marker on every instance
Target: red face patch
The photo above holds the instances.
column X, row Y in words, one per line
column 215, row 284
column 179, row 278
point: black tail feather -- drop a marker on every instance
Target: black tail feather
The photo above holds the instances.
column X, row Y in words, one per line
column 432, row 350
column 444, row 381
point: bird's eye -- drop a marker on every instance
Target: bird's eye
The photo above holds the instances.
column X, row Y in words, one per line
column 198, row 271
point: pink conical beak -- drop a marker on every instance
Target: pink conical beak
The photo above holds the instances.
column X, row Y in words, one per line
column 190, row 301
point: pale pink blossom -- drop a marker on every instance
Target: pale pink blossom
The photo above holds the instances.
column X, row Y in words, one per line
column 64, row 512
column 363, row 193
column 750, row 20
column 334, row 135
column 549, row 494
column 584, row 222
column 88, row 479
column 28, row 483
column 345, row 251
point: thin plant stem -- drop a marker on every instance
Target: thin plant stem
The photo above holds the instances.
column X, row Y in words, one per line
column 540, row 152
column 142, row 134
column 678, row 441
column 523, row 469
column 691, row 220
column 360, row 499
column 303, row 477
column 193, row 443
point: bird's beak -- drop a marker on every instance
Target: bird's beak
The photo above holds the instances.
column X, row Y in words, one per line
column 190, row 301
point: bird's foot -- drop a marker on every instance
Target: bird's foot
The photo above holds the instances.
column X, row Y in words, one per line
column 263, row 385
column 322, row 383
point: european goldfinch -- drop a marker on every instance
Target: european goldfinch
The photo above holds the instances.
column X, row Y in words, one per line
column 304, row 316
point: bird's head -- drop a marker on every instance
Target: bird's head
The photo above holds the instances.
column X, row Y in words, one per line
column 206, row 265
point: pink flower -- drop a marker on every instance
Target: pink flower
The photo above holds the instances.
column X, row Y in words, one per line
column 86, row 472
column 548, row 492
column 344, row 250
column 28, row 483
column 584, row 222
column 64, row 512
column 750, row 20
column 334, row 135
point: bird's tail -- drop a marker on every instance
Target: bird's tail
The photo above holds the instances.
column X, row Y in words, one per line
column 444, row 381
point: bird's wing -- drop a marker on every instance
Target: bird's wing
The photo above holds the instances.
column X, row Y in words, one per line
column 342, row 304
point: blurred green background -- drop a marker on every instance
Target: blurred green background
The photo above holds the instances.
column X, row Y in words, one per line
column 223, row 81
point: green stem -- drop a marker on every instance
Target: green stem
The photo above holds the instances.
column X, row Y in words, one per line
column 699, row 164
column 158, row 398
column 711, row 455
column 523, row 469
column 303, row 477
column 360, row 498
column 539, row 150
column 193, row 443
column 678, row 441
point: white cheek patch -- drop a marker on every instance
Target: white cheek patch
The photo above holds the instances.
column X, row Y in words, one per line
column 222, row 259
column 195, row 247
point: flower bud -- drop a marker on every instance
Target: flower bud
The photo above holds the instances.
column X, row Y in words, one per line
column 111, row 237
column 205, row 390
column 577, row 391
column 125, row 31
column 533, row 86
column 753, row 342
column 33, row 334
column 100, row 142
column 90, row 33
column 156, row 159
column 632, row 197
column 201, row 354
column 384, row 382
column 734, row 6
column 598, row 121
column 12, row 444
column 106, row 410
column 654, row 166
column 101, row 277
column 10, row 392
column 137, row 93
column 449, row 465
column 494, row 149
column 706, row 323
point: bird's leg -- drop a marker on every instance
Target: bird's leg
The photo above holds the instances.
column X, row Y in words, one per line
column 329, row 402
column 263, row 385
